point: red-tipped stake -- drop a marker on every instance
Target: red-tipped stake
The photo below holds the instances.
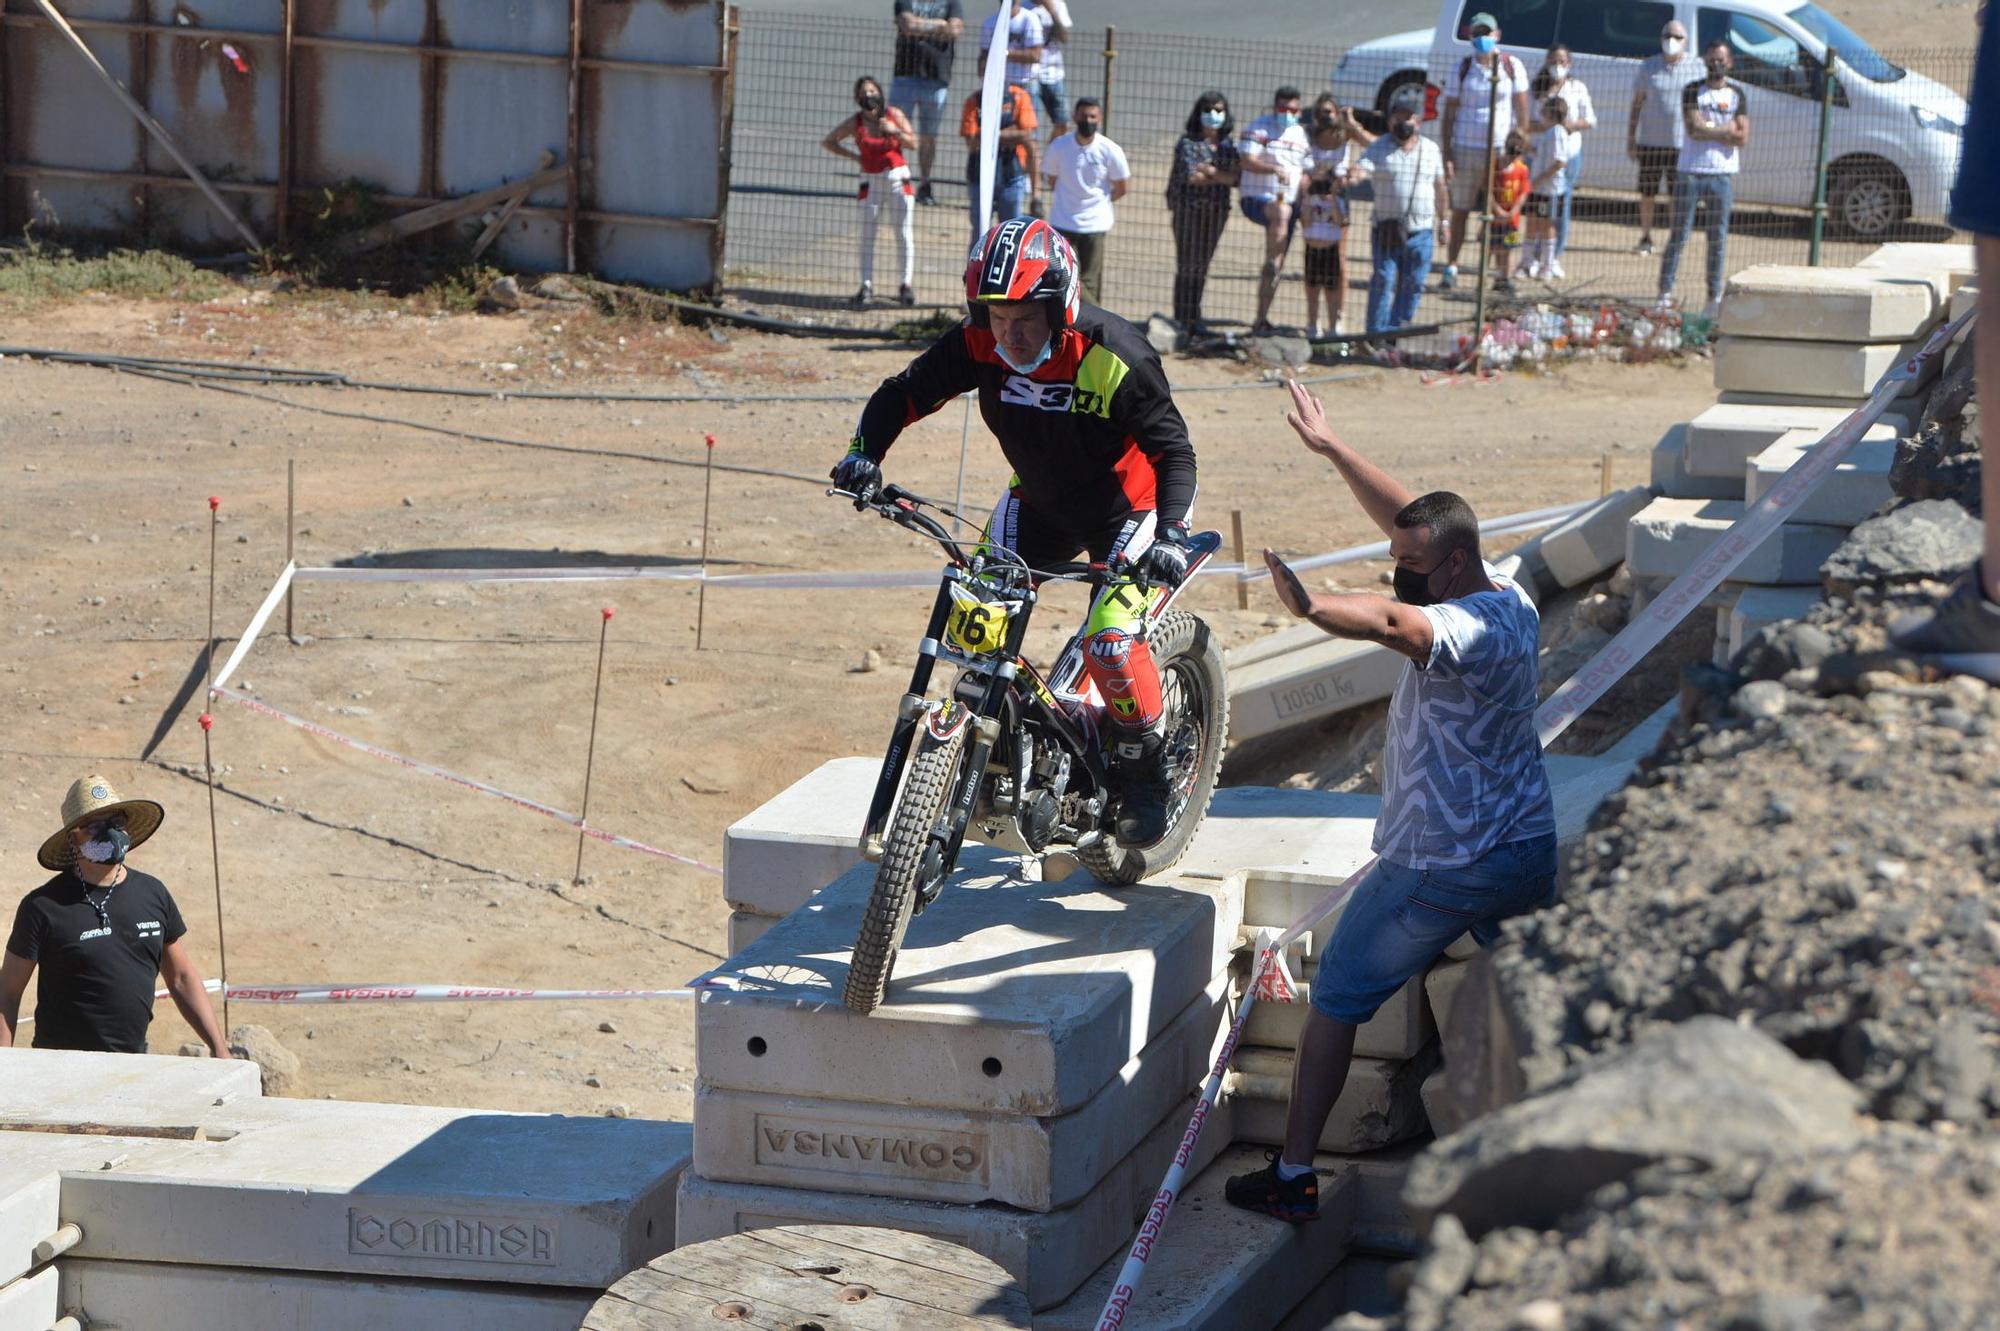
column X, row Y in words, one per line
column 701, row 589
column 590, row 754
column 215, row 858
column 208, row 669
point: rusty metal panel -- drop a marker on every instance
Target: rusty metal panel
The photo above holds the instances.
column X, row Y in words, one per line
column 59, row 113
column 217, row 96
column 664, row 32
column 531, row 27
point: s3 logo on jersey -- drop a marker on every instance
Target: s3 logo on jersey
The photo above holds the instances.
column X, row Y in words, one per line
column 1017, row 390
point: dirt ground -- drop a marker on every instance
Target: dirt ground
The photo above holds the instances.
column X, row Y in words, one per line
column 338, row 867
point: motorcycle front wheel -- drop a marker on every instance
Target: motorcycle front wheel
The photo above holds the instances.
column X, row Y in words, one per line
column 1194, row 687
column 907, row 868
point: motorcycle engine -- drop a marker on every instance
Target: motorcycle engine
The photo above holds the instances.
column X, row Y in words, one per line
column 1038, row 817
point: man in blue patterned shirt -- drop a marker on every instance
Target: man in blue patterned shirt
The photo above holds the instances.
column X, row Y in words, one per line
column 1467, row 834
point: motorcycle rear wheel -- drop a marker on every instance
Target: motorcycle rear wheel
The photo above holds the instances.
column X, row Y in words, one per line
column 1195, row 686
column 933, row 773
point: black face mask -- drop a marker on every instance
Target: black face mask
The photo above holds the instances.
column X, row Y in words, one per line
column 871, row 103
column 1414, row 588
column 1086, row 129
column 1718, row 70
column 1404, row 130
column 1324, row 119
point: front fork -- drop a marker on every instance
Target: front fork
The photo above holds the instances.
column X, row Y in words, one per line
column 908, row 712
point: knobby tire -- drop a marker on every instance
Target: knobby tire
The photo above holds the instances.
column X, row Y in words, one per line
column 933, row 772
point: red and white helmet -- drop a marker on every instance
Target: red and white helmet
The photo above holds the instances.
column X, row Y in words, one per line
column 1023, row 258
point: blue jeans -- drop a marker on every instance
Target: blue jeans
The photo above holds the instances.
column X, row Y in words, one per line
column 1400, row 920
column 1010, row 199
column 922, row 100
column 1397, row 279
column 1690, row 190
column 1571, row 173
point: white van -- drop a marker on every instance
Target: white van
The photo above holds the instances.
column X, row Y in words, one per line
column 1893, row 139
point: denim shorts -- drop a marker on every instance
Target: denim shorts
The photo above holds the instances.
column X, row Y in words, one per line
column 1259, row 210
column 1055, row 101
column 1400, row 920
column 922, row 100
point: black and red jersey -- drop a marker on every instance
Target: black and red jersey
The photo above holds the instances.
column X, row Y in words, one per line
column 1092, row 433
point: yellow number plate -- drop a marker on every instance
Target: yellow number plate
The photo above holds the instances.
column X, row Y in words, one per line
column 978, row 627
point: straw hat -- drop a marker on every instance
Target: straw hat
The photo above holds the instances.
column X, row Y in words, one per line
column 93, row 797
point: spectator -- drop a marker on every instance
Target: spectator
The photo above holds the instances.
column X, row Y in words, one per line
column 1466, row 836
column 927, row 32
column 1198, row 188
column 1273, row 151
column 1321, row 206
column 1963, row 633
column 102, row 932
column 1014, row 181
column 1548, row 188
column 1475, row 124
column 1410, row 203
column 1715, row 126
column 1510, row 197
column 1558, row 79
column 1024, row 41
column 1653, row 133
column 881, row 136
column 1049, row 84
column 1086, row 173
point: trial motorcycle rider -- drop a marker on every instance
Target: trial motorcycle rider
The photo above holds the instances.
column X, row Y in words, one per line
column 1101, row 457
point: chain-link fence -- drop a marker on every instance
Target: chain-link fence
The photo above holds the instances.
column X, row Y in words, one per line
column 1886, row 126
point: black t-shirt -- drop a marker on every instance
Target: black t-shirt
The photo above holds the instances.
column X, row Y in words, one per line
column 926, row 57
column 95, row 990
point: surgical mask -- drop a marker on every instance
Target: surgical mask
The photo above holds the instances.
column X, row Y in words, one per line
column 1557, row 73
column 1717, row 70
column 1048, row 349
column 1214, row 119
column 1288, row 118
column 107, row 847
column 1486, row 43
column 1671, row 46
column 1414, row 588
column 1404, row 130
column 871, row 103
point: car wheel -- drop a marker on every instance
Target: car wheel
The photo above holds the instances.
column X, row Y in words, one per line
column 1867, row 198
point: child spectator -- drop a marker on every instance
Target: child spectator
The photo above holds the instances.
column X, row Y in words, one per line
column 1321, row 206
column 1555, row 143
column 1510, row 194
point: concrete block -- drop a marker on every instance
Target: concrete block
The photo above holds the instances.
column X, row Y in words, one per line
column 1379, row 1106
column 1399, row 1030
column 1219, row 1268
column 65, row 1086
column 32, row 1165
column 1846, row 497
column 1441, row 985
column 1275, row 643
column 406, row 1190
column 1761, row 607
column 1593, row 541
column 1820, row 369
column 1274, row 898
column 1673, row 534
column 1672, row 478
column 1020, row 997
column 1726, row 436
column 1782, row 400
column 746, row 927
column 799, row 840
column 33, row 1303
column 1315, row 832
column 1828, row 304
column 1946, row 266
column 1037, row 1164
column 203, row 1298
column 1463, row 948
column 1049, row 1252
column 1577, row 785
column 1437, row 1104
column 1310, row 683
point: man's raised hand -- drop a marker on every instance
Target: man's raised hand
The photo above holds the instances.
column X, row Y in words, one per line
column 1308, row 420
column 1290, row 590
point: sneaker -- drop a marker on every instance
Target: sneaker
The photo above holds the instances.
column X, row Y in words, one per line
column 1712, row 311
column 1553, row 270
column 1532, row 272
column 1962, row 634
column 1504, row 286
column 1262, row 1190
column 1312, row 333
column 1140, row 762
column 1645, row 245
column 1448, row 279
column 905, row 296
column 861, row 298
column 1665, row 304
column 924, row 195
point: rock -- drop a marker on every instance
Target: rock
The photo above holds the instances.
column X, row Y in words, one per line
column 1503, row 1256
column 608, row 1027
column 503, row 293
column 192, row 1049
column 1164, row 334
column 1706, row 1090
column 593, row 1082
column 618, row 1111
column 1777, row 1312
column 1445, row 1270
column 1930, row 539
column 871, row 661
column 1281, row 349
column 279, row 1066
column 1539, row 1315
column 557, row 287
column 1759, row 700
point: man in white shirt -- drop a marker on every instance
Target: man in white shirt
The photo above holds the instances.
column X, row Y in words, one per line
column 1653, row 132
column 1475, row 123
column 1049, row 75
column 1024, row 41
column 1716, row 125
column 1272, row 153
column 1086, row 174
column 1410, row 204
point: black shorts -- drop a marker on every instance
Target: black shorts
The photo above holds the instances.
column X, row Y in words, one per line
column 1322, row 265
column 1656, row 167
column 1042, row 541
column 1544, row 205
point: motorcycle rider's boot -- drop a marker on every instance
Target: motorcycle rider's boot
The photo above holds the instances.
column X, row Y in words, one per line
column 1140, row 761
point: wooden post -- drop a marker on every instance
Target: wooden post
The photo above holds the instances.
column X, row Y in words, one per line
column 701, row 590
column 575, row 133
column 153, row 127
column 1236, row 536
column 590, row 755
column 286, row 122
column 215, row 858
column 291, row 527
column 1110, row 54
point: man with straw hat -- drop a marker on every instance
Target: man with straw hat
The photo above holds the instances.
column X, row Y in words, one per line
column 101, row 931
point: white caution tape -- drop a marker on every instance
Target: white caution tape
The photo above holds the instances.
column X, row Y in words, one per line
column 519, row 801
column 257, row 622
column 1563, row 707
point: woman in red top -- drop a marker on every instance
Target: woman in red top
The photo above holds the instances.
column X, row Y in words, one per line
column 880, row 134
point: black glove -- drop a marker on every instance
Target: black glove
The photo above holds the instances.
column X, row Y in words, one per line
column 857, row 474
column 1165, row 561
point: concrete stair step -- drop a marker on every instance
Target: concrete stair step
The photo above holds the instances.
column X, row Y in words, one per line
column 1379, row 1106
column 1819, row 369
column 1760, row 607
column 1672, row 535
column 1846, row 497
column 1827, row 304
column 1722, row 439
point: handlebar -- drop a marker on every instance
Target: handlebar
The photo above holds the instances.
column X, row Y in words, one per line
column 905, row 509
